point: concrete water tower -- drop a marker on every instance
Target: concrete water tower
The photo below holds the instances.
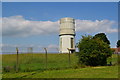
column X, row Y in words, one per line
column 67, row 35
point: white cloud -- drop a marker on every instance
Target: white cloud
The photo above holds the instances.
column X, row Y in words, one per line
column 95, row 26
column 52, row 46
column 20, row 27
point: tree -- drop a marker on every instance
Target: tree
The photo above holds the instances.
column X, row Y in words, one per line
column 103, row 37
column 118, row 43
column 93, row 52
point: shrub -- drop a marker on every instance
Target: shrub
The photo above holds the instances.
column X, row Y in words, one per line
column 118, row 43
column 103, row 37
column 93, row 52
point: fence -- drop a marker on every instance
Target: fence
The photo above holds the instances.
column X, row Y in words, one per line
column 24, row 59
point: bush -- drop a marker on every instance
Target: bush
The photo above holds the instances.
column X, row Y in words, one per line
column 93, row 51
column 118, row 43
column 103, row 37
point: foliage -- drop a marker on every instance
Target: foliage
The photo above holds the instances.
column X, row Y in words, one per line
column 93, row 51
column 103, row 37
column 118, row 43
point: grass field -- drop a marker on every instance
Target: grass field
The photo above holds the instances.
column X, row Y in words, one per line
column 89, row 72
column 33, row 66
column 34, row 62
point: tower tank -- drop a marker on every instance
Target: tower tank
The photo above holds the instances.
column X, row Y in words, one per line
column 67, row 34
column 67, row 26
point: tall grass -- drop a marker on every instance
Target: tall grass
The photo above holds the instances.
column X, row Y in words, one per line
column 33, row 62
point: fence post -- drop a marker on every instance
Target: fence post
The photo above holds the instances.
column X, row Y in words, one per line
column 17, row 58
column 31, row 52
column 69, row 57
column 45, row 57
column 57, row 50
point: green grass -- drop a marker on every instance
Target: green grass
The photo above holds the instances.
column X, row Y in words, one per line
column 34, row 62
column 0, row 66
column 33, row 66
column 113, row 59
column 88, row 72
column 97, row 72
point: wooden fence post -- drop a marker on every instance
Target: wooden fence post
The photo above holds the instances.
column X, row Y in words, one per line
column 69, row 57
column 31, row 52
column 17, row 59
column 57, row 50
column 45, row 57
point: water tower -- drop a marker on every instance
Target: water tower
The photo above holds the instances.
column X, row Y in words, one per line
column 67, row 35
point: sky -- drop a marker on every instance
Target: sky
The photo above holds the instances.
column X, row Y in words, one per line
column 36, row 24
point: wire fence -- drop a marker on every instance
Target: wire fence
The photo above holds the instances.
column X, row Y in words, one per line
column 12, row 50
column 26, row 59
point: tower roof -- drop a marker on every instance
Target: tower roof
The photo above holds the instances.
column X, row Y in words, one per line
column 67, row 26
column 67, row 19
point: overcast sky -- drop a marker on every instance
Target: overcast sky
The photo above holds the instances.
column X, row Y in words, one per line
column 37, row 24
